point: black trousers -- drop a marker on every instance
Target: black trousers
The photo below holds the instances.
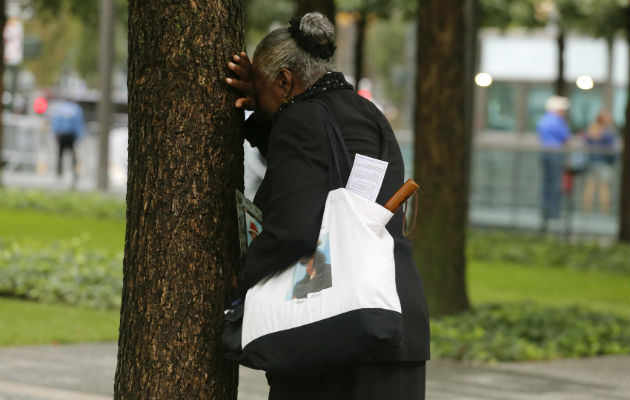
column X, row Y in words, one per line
column 377, row 381
column 66, row 142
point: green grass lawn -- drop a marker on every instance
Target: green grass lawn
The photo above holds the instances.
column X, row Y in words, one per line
column 40, row 229
column 491, row 282
column 28, row 323
column 23, row 322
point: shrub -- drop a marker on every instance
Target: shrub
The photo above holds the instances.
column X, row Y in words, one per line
column 61, row 273
column 526, row 331
column 527, row 249
column 68, row 203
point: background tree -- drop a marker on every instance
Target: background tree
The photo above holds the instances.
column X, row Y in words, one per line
column 624, row 195
column 2, row 23
column 600, row 19
column 607, row 19
column 185, row 160
column 260, row 15
column 532, row 14
column 69, row 30
column 446, row 33
column 364, row 11
column 326, row 7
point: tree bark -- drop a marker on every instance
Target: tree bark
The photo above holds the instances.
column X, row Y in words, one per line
column 326, row 7
column 3, row 20
column 624, row 198
column 442, row 148
column 361, row 26
column 185, row 160
column 560, row 84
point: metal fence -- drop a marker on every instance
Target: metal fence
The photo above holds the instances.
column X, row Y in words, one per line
column 506, row 187
column 30, row 149
column 506, row 175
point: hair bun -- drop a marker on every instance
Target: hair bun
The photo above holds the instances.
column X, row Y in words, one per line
column 315, row 34
column 318, row 27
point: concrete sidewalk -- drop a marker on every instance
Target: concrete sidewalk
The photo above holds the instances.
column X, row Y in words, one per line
column 86, row 372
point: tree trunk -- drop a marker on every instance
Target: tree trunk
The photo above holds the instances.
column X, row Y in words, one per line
column 326, row 7
column 105, row 61
column 608, row 85
column 3, row 20
column 358, row 47
column 561, row 89
column 624, row 198
column 185, row 160
column 442, row 149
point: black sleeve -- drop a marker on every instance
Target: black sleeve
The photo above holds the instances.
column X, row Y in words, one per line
column 298, row 174
column 256, row 131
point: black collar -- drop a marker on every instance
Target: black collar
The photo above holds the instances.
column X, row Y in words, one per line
column 329, row 82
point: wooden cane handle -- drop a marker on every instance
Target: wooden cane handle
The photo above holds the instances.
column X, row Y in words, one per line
column 405, row 191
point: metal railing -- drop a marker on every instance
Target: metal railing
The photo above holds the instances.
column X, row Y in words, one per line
column 506, row 186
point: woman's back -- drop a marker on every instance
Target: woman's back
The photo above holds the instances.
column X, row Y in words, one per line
column 299, row 135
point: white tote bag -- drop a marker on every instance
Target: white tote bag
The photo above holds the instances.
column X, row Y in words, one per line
column 335, row 306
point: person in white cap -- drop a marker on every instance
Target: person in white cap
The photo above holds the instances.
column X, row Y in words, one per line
column 553, row 134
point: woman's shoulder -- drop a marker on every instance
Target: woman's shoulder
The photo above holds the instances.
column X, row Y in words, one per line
column 300, row 125
column 301, row 113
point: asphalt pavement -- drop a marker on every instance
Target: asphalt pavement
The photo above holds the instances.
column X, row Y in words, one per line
column 86, row 372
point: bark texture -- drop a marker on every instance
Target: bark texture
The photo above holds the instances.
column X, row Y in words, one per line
column 624, row 200
column 185, row 160
column 3, row 20
column 442, row 150
column 326, row 7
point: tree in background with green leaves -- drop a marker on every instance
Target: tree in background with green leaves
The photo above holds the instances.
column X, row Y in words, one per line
column 600, row 19
column 365, row 11
column 443, row 129
column 2, row 23
column 326, row 7
column 69, row 34
column 604, row 19
column 261, row 14
column 624, row 195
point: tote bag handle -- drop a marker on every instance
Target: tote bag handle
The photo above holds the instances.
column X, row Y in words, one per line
column 337, row 143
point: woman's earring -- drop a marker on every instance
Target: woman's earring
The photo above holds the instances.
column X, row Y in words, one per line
column 285, row 98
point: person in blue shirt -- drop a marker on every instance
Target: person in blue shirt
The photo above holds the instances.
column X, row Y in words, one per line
column 68, row 126
column 553, row 134
column 600, row 143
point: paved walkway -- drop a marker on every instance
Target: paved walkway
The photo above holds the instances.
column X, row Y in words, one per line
column 86, row 372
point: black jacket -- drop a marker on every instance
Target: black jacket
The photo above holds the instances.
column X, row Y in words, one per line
column 293, row 193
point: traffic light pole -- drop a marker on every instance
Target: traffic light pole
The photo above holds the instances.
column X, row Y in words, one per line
column 106, row 50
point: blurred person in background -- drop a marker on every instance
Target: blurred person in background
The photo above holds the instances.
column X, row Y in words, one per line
column 600, row 142
column 553, row 134
column 68, row 126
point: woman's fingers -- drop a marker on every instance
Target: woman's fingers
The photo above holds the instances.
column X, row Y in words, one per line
column 242, row 60
column 247, row 103
column 241, row 72
column 244, row 87
column 241, row 66
column 244, row 102
column 243, row 57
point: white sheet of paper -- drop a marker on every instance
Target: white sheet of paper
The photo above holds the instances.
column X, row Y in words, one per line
column 366, row 176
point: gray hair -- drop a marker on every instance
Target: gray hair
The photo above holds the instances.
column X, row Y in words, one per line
column 279, row 50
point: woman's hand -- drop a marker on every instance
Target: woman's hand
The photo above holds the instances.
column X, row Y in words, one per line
column 244, row 82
